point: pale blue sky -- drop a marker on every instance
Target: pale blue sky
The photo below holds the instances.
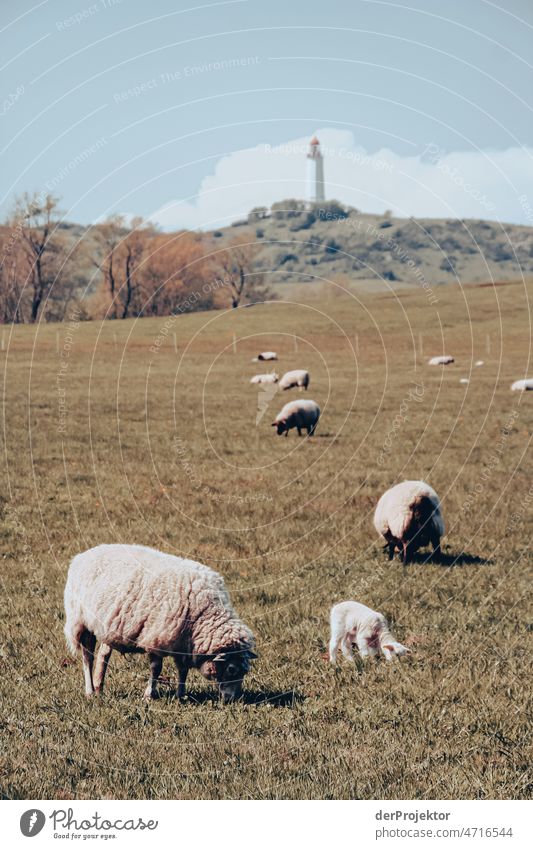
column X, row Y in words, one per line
column 119, row 110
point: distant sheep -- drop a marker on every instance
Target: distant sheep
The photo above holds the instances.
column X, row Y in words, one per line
column 137, row 599
column 523, row 385
column 441, row 361
column 298, row 377
column 464, row 380
column 479, row 363
column 352, row 622
column 265, row 378
column 298, row 414
column 408, row 517
column 267, row 355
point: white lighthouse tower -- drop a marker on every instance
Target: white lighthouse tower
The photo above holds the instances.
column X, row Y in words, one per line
column 315, row 173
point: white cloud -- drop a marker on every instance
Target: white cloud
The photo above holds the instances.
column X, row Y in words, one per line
column 495, row 184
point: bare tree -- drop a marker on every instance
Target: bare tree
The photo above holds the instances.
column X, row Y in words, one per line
column 41, row 245
column 237, row 264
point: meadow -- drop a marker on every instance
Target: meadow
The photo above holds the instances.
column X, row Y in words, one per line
column 148, row 431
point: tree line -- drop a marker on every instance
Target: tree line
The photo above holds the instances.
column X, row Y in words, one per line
column 116, row 269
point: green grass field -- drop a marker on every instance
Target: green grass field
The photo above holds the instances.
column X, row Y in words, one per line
column 106, row 440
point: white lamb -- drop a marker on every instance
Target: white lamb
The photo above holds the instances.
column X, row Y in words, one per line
column 441, row 361
column 523, row 385
column 267, row 355
column 265, row 378
column 137, row 599
column 408, row 516
column 298, row 414
column 298, row 377
column 352, row 622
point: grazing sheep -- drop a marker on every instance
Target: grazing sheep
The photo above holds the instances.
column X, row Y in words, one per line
column 137, row 599
column 298, row 377
column 352, row 622
column 298, row 414
column 265, row 378
column 464, row 380
column 267, row 355
column 479, row 363
column 441, row 361
column 408, row 517
column 523, row 385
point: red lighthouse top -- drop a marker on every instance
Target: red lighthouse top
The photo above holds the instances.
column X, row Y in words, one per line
column 314, row 140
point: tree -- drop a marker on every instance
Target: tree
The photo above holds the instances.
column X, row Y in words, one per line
column 40, row 251
column 122, row 247
column 237, row 266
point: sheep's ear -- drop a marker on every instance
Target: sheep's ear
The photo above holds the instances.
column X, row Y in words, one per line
column 274, row 424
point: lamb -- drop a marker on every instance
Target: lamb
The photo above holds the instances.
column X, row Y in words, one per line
column 523, row 385
column 408, row 517
column 441, row 361
column 265, row 378
column 352, row 622
column 266, row 355
column 298, row 377
column 298, row 414
column 136, row 599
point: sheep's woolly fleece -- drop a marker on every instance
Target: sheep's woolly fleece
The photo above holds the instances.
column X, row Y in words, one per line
column 131, row 596
column 394, row 509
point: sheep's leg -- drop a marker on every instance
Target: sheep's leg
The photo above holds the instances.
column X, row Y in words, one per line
column 156, row 664
column 347, row 648
column 435, row 542
column 182, row 674
column 100, row 669
column 391, row 546
column 299, row 429
column 88, row 643
column 334, row 645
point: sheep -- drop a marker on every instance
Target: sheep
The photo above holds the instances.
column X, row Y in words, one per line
column 298, row 377
column 523, row 385
column 352, row 622
column 441, row 361
column 479, row 363
column 298, row 414
column 265, row 378
column 136, row 599
column 408, row 517
column 266, row 355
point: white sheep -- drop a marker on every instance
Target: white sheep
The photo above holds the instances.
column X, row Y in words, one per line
column 298, row 414
column 352, row 622
column 441, row 361
column 266, row 355
column 408, row 516
column 265, row 378
column 137, row 599
column 297, row 377
column 479, row 363
column 523, row 385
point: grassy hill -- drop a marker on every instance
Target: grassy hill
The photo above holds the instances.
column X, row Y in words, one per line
column 372, row 252
column 152, row 445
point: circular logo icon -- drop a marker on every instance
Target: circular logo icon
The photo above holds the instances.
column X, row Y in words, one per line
column 32, row 822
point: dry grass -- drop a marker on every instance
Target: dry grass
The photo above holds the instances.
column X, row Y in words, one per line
column 450, row 722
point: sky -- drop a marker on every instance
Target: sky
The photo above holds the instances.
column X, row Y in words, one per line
column 191, row 113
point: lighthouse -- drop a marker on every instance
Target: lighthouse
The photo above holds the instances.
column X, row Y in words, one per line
column 315, row 173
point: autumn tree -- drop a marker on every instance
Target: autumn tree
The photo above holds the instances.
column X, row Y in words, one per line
column 237, row 264
column 119, row 258
column 37, row 261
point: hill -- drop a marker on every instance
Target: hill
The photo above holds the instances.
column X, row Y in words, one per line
column 369, row 252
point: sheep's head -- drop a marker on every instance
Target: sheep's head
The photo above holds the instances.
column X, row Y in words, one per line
column 281, row 425
column 228, row 669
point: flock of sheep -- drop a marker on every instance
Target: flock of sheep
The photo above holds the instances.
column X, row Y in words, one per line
column 131, row 598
